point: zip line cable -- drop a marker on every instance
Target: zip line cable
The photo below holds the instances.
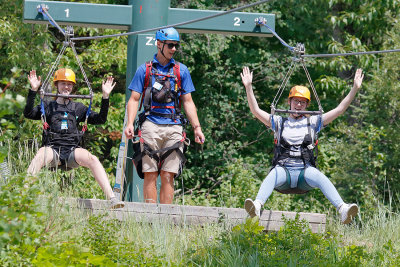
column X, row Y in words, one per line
column 156, row 28
column 262, row 22
column 353, row 53
column 42, row 9
column 259, row 21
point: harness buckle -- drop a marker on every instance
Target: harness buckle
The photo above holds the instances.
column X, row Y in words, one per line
column 295, row 153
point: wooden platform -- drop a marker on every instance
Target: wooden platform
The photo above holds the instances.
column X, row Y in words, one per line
column 271, row 220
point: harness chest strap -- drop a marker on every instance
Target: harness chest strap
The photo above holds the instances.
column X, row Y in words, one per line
column 61, row 136
column 288, row 152
column 146, row 97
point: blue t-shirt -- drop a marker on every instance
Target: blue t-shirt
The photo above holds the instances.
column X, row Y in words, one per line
column 186, row 84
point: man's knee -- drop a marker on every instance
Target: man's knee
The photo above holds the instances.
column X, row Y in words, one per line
column 150, row 177
column 167, row 177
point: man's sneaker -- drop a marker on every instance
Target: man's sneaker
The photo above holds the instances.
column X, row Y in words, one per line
column 348, row 212
column 253, row 208
column 116, row 204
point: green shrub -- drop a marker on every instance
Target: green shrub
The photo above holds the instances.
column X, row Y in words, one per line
column 293, row 245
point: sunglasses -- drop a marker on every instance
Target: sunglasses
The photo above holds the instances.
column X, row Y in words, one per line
column 171, row 45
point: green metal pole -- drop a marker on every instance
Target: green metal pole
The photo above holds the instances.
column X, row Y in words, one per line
column 145, row 14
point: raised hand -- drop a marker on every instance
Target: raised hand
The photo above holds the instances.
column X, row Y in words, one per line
column 358, row 78
column 247, row 76
column 34, row 80
column 107, row 86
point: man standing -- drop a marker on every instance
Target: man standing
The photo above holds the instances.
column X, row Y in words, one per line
column 165, row 85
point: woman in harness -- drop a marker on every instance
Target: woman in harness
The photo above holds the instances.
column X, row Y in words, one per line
column 61, row 137
column 294, row 163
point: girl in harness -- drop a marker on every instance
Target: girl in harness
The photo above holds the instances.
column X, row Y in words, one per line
column 294, row 168
column 61, row 137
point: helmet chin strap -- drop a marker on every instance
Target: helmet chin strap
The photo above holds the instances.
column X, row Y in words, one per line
column 162, row 51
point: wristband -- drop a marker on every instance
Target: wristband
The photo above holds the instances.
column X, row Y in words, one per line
column 195, row 127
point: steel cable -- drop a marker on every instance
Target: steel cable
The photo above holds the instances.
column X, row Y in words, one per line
column 171, row 25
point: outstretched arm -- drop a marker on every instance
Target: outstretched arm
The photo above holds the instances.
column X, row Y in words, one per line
column 341, row 108
column 247, row 78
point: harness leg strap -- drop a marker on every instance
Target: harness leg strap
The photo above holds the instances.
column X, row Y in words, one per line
column 301, row 188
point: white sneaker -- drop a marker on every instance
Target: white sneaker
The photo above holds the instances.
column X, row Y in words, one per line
column 116, row 204
column 253, row 208
column 348, row 212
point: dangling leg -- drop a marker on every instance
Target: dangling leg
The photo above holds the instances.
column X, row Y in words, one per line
column 276, row 177
column 315, row 178
column 86, row 159
column 43, row 157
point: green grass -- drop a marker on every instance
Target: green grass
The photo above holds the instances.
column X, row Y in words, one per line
column 36, row 229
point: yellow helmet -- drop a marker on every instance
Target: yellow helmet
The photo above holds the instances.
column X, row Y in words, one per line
column 66, row 75
column 300, row 91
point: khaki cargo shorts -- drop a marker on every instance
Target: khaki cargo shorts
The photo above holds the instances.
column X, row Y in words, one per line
column 158, row 136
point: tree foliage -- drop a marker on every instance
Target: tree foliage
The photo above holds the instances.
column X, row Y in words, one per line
column 359, row 151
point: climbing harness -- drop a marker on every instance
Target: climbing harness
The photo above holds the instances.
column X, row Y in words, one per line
column 301, row 188
column 161, row 92
column 307, row 151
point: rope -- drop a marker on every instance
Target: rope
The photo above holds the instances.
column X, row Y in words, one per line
column 70, row 30
column 53, row 68
column 171, row 25
column 298, row 51
column 46, row 83
column 68, row 33
column 312, row 86
column 282, row 86
column 353, row 53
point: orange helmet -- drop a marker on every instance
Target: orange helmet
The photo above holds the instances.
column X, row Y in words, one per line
column 300, row 91
column 66, row 75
